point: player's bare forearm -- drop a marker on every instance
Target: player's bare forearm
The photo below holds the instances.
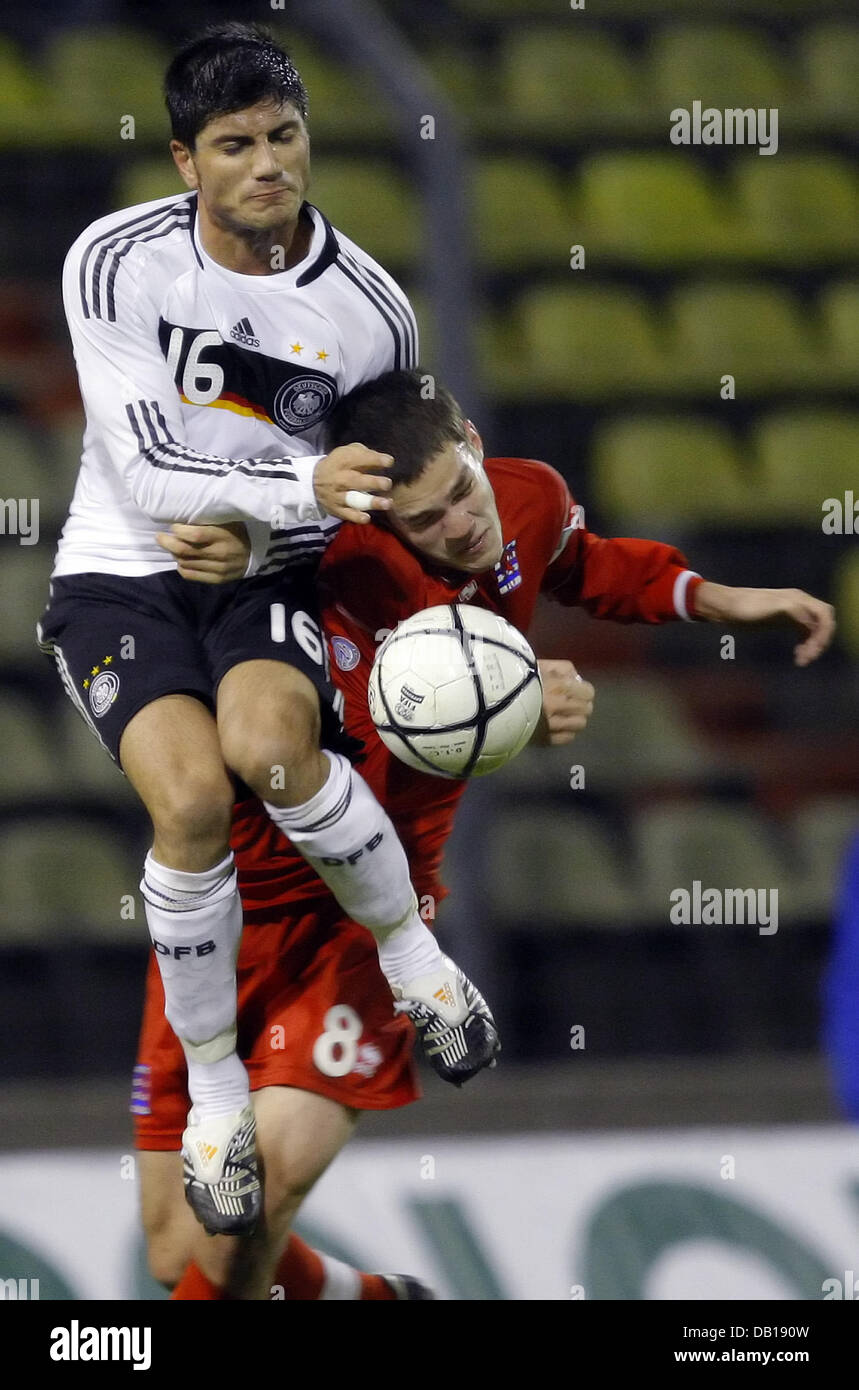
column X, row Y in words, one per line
column 720, row 603
column 568, row 703
column 208, row 554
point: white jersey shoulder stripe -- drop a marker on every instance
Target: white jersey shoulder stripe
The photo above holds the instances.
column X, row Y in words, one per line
column 157, row 221
column 396, row 326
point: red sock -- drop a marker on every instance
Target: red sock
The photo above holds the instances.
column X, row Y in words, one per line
column 194, row 1284
column 301, row 1273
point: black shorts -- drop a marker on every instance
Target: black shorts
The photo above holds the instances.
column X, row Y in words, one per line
column 119, row 642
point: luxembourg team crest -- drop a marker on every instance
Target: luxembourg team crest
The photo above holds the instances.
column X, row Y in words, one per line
column 507, row 570
column 346, row 654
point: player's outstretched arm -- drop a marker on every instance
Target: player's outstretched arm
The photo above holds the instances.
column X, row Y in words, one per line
column 719, row 603
column 568, row 703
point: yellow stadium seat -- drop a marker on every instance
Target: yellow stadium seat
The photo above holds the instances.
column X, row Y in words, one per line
column 805, row 457
column 718, row 846
column 67, row 880
column 720, row 65
column 29, row 766
column 504, row 9
column 798, row 209
column 504, row 186
column 100, row 77
column 24, row 118
column 822, row 830
column 653, row 209
column 839, row 310
column 830, row 58
column 568, row 342
column 551, row 81
column 556, row 869
column 342, row 105
column 373, row 205
column 753, row 332
column 846, row 601
column 24, row 578
column 145, row 180
column 649, row 470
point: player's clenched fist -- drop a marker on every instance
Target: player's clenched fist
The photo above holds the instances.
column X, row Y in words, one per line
column 347, row 482
column 568, row 703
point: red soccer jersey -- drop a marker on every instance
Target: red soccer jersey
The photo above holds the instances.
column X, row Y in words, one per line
column 370, row 581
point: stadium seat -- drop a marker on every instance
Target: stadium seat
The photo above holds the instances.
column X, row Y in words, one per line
column 552, row 81
column 373, row 205
column 568, row 342
column 26, row 474
column 717, row 845
column 501, row 9
column 24, row 577
column 753, row 332
column 649, row 470
column 23, row 110
column 846, row 601
column 638, row 736
column 29, row 766
column 98, row 76
column 344, row 105
column 795, row 209
column 652, row 209
column 839, row 310
column 145, row 180
column 822, row 830
column 720, row 65
column 89, row 769
column 551, row 869
column 830, row 57
column 66, row 879
column 806, row 456
column 506, row 240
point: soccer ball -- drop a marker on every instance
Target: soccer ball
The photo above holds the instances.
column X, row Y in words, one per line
column 455, row 691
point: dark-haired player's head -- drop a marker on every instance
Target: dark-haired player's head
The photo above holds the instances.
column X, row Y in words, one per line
column 238, row 110
column 442, row 501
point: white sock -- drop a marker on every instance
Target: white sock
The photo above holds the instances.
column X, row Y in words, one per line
column 195, row 922
column 349, row 839
column 342, row 1282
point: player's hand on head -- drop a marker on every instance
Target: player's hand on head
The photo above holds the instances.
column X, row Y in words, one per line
column 208, row 554
column 350, row 482
column 568, row 702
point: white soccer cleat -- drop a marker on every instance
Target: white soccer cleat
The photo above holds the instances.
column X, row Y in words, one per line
column 221, row 1173
column 456, row 1029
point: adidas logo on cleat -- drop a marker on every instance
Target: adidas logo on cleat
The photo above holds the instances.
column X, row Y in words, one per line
column 206, row 1151
column 445, row 995
column 243, row 333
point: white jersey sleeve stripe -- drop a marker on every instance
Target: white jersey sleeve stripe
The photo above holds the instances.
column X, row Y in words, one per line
column 163, row 451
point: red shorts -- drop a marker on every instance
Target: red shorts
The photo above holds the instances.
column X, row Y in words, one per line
column 314, row 1012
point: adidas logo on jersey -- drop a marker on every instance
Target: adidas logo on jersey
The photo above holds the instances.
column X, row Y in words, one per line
column 243, row 333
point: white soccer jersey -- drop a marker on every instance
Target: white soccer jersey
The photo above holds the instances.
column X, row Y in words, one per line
column 205, row 390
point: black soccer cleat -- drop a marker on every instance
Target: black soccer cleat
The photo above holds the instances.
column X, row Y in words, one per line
column 406, row 1286
column 455, row 1027
column 221, row 1173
